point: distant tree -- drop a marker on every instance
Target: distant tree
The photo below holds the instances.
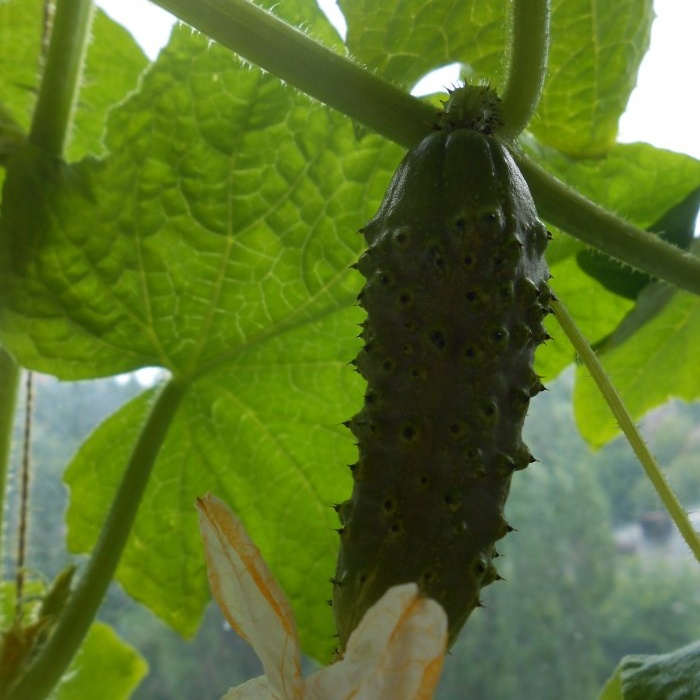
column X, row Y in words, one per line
column 651, row 609
column 538, row 634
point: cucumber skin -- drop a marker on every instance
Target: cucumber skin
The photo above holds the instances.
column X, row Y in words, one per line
column 455, row 293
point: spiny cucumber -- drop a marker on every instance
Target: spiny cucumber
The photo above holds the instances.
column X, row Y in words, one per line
column 455, row 294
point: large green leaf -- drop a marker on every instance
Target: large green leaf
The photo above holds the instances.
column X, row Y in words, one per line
column 20, row 42
column 660, row 363
column 648, row 357
column 264, row 433
column 595, row 53
column 594, row 56
column 105, row 667
column 636, row 180
column 402, row 41
column 215, row 240
column 226, row 212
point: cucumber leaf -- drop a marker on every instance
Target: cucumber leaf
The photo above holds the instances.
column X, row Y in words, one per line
column 672, row 676
column 214, row 241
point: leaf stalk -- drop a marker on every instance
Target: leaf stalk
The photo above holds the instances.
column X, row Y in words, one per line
column 526, row 64
column 10, row 374
column 622, row 416
column 267, row 41
column 54, row 657
column 570, row 211
column 60, row 81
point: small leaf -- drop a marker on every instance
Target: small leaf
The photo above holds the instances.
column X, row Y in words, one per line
column 676, row 226
column 612, row 690
column 672, row 676
column 104, row 663
column 105, row 667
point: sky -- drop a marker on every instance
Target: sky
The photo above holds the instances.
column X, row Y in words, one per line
column 664, row 109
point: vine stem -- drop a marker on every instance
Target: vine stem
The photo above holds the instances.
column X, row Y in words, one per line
column 622, row 416
column 267, row 41
column 263, row 39
column 570, row 211
column 53, row 658
column 25, row 480
column 61, row 77
column 10, row 374
column 526, row 64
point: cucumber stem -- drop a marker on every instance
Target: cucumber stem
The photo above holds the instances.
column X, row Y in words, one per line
column 570, row 211
column 265, row 40
column 526, row 63
column 60, row 81
column 622, row 416
column 53, row 658
column 10, row 374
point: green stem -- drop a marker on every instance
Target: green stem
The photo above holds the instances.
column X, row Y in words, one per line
column 572, row 212
column 25, row 473
column 612, row 398
column 526, row 64
column 61, row 77
column 263, row 39
column 10, row 374
column 54, row 657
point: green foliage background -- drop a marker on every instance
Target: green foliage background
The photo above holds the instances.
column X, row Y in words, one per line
column 209, row 227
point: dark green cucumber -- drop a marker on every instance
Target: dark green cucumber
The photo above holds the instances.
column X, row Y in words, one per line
column 455, row 294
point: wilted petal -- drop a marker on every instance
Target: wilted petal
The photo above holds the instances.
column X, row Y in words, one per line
column 252, row 602
column 254, row 689
column 396, row 652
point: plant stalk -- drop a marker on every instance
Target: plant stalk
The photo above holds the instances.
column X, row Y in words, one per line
column 61, row 77
column 10, row 374
column 526, row 64
column 54, row 657
column 266, row 41
column 572, row 212
column 612, row 398
column 25, row 473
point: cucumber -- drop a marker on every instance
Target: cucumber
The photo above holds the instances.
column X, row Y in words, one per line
column 455, row 294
